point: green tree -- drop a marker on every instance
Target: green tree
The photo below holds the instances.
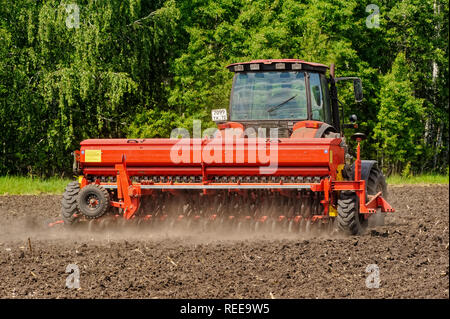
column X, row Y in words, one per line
column 137, row 68
column 400, row 127
column 70, row 82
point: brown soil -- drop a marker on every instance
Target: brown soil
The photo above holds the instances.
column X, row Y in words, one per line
column 411, row 251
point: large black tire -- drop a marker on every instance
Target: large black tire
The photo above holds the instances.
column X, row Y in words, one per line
column 349, row 220
column 100, row 201
column 69, row 207
column 375, row 184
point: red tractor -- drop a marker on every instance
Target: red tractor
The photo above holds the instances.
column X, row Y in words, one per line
column 278, row 160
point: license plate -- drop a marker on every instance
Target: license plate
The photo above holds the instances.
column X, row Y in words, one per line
column 219, row 115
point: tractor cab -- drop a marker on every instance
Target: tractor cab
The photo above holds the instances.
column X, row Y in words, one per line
column 280, row 94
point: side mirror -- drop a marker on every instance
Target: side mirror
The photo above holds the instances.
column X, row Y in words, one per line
column 357, row 88
column 219, row 115
column 353, row 118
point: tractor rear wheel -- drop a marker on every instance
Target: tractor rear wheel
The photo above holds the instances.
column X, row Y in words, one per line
column 377, row 183
column 69, row 207
column 349, row 220
column 93, row 201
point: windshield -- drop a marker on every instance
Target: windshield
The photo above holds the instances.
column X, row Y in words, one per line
column 269, row 96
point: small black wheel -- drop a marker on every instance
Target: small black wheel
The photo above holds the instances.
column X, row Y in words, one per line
column 349, row 220
column 69, row 207
column 93, row 201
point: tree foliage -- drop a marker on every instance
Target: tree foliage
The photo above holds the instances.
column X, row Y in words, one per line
column 400, row 118
column 139, row 68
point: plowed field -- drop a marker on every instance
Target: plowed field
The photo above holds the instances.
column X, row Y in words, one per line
column 410, row 251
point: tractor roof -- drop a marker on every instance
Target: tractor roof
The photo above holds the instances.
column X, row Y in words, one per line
column 277, row 65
